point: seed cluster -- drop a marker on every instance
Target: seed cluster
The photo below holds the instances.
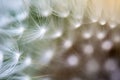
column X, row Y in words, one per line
column 60, row 39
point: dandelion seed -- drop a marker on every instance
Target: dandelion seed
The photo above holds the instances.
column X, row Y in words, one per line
column 102, row 22
column 72, row 60
column 27, row 61
column 112, row 25
column 67, row 44
column 110, row 65
column 57, row 34
column 46, row 57
column 92, row 66
column 86, row 35
column 42, row 23
column 36, row 34
column 88, row 49
column 106, row 45
column 100, row 35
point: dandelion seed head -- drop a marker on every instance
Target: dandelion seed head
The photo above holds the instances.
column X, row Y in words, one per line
column 55, row 16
